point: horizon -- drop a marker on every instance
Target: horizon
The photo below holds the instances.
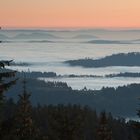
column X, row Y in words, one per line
column 70, row 28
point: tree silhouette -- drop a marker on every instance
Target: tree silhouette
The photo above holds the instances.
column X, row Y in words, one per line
column 104, row 133
column 137, row 125
column 5, row 74
column 6, row 81
column 24, row 128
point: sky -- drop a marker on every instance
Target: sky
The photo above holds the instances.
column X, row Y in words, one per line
column 70, row 13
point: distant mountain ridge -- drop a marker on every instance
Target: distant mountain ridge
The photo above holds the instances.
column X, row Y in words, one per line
column 35, row 36
column 109, row 42
column 30, row 36
column 121, row 59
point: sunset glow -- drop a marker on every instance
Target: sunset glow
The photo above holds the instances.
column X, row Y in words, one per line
column 70, row 13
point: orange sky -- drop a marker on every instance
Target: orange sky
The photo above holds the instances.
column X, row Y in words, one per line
column 70, row 13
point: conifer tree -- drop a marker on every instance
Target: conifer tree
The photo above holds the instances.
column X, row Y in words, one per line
column 5, row 74
column 24, row 129
column 137, row 125
column 104, row 133
column 6, row 81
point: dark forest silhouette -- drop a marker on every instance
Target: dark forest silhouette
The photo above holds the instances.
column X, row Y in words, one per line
column 22, row 120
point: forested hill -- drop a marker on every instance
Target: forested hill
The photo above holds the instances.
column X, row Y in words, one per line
column 122, row 101
column 121, row 59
